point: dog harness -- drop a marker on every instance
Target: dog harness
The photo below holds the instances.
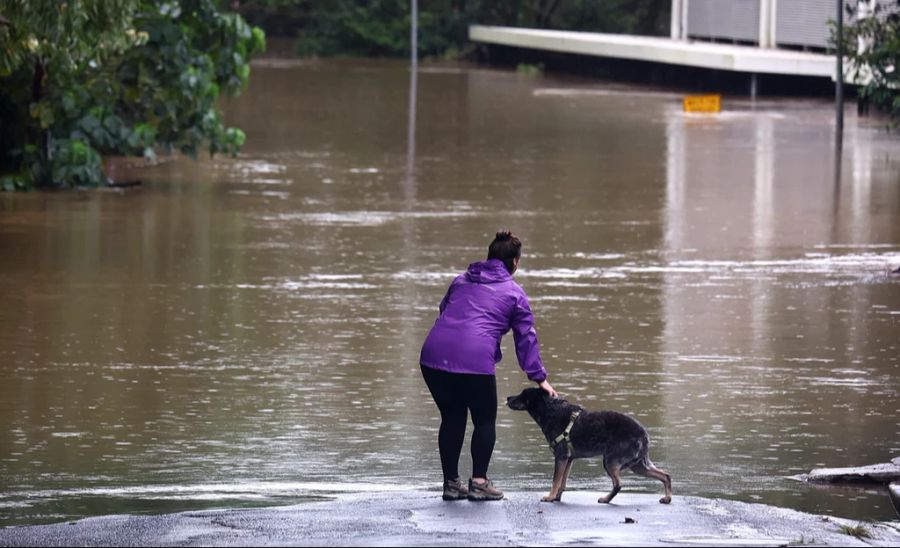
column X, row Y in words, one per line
column 564, row 437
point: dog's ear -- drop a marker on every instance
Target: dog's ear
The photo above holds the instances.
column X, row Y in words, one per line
column 547, row 397
column 556, row 400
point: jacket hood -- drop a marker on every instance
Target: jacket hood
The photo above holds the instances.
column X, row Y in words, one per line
column 488, row 272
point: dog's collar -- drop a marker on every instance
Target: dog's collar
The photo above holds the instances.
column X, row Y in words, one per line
column 564, row 437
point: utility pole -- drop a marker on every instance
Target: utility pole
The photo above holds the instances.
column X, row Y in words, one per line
column 409, row 183
column 839, row 76
column 414, row 34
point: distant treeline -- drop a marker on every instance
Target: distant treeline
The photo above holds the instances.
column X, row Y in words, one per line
column 381, row 27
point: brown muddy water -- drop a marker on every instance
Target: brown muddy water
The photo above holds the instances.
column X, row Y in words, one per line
column 246, row 331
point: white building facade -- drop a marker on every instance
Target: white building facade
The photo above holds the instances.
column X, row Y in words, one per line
column 794, row 24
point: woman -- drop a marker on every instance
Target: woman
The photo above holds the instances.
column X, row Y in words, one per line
column 460, row 354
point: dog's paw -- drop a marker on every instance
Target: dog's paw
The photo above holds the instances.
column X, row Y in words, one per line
column 665, row 500
column 603, row 500
column 548, row 498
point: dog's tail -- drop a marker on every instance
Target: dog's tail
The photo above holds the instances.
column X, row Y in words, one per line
column 643, row 454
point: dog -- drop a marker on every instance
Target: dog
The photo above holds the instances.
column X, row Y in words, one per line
column 574, row 433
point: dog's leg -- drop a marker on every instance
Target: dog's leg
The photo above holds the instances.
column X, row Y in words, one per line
column 613, row 472
column 559, row 480
column 649, row 470
column 565, row 476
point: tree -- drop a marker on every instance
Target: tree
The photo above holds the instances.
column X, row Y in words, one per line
column 167, row 87
column 381, row 27
column 123, row 77
column 872, row 46
column 42, row 42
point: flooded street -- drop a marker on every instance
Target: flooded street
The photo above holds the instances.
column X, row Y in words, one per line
column 243, row 332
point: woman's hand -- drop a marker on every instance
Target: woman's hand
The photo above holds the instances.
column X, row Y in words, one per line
column 546, row 386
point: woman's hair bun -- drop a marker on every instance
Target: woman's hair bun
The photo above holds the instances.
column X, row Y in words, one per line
column 507, row 247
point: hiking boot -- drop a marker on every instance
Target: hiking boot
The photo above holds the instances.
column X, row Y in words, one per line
column 454, row 490
column 484, row 491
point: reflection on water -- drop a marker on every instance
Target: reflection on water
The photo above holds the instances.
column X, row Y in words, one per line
column 246, row 331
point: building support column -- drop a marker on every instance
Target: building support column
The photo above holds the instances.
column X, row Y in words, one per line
column 678, row 26
column 767, row 23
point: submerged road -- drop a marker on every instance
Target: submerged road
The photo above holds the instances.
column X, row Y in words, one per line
column 421, row 518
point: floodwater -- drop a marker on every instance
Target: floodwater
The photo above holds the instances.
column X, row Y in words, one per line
column 246, row 331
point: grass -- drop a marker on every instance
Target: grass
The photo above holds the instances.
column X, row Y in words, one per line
column 859, row 531
column 529, row 69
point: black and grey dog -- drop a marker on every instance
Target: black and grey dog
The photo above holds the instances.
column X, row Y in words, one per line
column 574, row 433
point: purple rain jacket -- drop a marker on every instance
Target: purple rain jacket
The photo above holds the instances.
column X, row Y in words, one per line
column 479, row 308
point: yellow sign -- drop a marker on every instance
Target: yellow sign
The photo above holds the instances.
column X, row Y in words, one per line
column 703, row 103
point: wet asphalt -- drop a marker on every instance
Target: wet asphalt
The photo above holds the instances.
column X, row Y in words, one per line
column 421, row 518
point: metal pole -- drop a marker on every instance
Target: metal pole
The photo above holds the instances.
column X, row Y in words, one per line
column 409, row 182
column 839, row 76
column 414, row 34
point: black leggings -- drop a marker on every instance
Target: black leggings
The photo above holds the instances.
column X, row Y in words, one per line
column 455, row 395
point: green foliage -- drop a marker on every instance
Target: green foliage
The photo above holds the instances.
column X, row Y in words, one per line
column 40, row 39
column 877, row 67
column 644, row 17
column 352, row 27
column 65, row 35
column 116, row 77
column 357, row 26
column 169, row 86
column 74, row 163
column 278, row 17
column 381, row 27
column 529, row 69
column 9, row 183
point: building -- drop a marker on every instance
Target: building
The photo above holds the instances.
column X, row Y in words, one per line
column 733, row 45
column 792, row 24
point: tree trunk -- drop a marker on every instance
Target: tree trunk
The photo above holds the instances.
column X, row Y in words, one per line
column 41, row 135
column 875, row 473
column 544, row 13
